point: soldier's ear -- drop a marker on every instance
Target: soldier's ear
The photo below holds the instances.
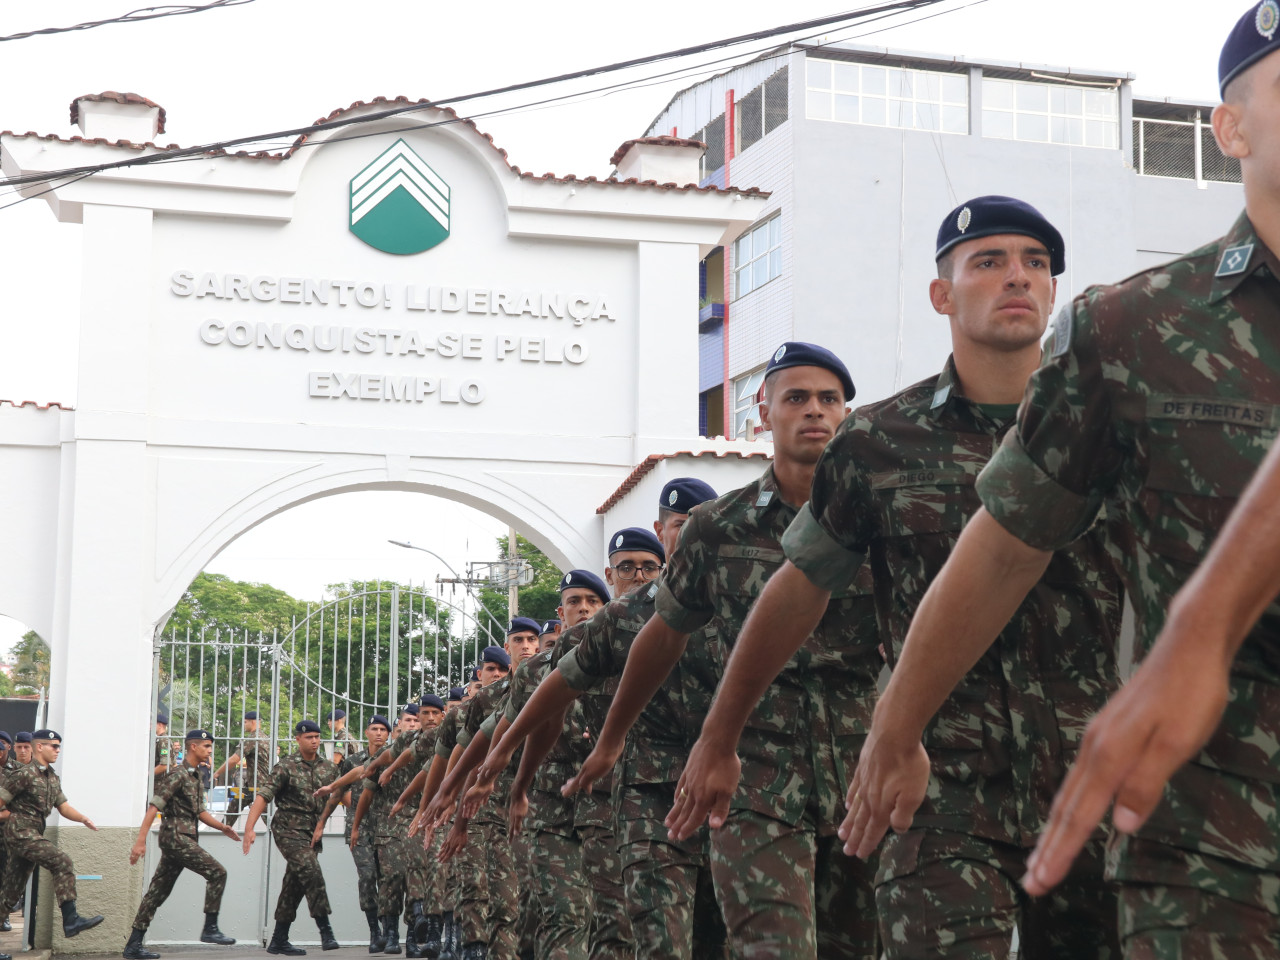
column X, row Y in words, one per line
column 940, row 297
column 1226, row 130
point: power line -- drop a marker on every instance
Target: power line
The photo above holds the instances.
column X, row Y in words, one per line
column 133, row 16
column 306, row 131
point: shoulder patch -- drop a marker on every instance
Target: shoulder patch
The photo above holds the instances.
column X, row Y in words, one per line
column 1235, row 260
column 1062, row 327
column 764, row 499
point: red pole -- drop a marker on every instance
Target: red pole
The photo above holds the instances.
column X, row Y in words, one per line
column 728, row 155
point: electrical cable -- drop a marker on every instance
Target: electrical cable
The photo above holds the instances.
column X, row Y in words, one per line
column 133, row 16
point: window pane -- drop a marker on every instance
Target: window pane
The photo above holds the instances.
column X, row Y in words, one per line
column 955, row 89
column 906, row 82
column 899, row 114
column 1058, row 100
column 955, row 119
column 873, row 80
column 818, row 105
column 847, row 77
column 760, row 240
column 818, row 73
column 1100, row 133
column 760, row 272
column 1032, row 126
column 1075, row 101
column 1075, row 131
column 997, row 94
column 743, row 281
column 775, row 231
column 1099, row 103
column 928, row 86
column 742, row 249
column 846, row 108
column 873, row 111
column 775, row 263
column 1058, row 129
column 997, row 124
column 1033, row 96
column 926, row 116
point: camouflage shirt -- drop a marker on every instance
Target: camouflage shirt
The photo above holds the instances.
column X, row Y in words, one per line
column 447, row 732
column 291, row 783
column 255, row 754
column 180, row 797
column 728, row 549
column 896, row 485
column 348, row 764
column 1159, row 398
column 30, row 794
column 583, row 724
column 384, row 826
column 481, row 718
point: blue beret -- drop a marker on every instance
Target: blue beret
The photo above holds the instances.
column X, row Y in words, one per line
column 203, row 735
column 989, row 216
column 24, row 736
column 586, row 580
column 410, row 708
column 457, row 693
column 336, row 715
column 47, row 734
column 251, row 715
column 637, row 538
column 495, row 655
column 431, row 700
column 1253, row 37
column 379, row 720
column 793, row 353
column 162, row 717
column 522, row 625
column 306, row 726
column 549, row 627
column 4, row 735
column 684, row 493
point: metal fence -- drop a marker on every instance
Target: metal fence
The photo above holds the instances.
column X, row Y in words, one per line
column 1183, row 149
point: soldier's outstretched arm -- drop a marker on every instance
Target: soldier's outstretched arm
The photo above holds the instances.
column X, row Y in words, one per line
column 656, row 649
column 971, row 600
column 231, row 762
column 140, row 845
column 71, row 813
column 786, row 612
column 344, row 781
column 402, row 760
column 550, row 700
column 366, row 797
column 209, row 819
column 416, row 784
column 1173, row 703
column 460, row 772
column 435, row 774
column 255, row 811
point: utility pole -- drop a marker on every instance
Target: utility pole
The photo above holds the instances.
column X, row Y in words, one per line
column 513, row 591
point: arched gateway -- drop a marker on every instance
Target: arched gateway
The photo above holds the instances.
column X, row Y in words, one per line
column 390, row 305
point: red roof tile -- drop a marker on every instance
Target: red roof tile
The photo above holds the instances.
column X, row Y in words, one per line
column 114, row 97
column 623, row 150
column 32, row 403
column 648, row 463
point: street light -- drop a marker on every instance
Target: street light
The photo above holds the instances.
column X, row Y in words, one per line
column 411, row 546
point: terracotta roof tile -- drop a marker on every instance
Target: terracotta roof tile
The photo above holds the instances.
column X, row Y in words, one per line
column 52, row 405
column 623, row 150
column 111, row 95
column 646, row 466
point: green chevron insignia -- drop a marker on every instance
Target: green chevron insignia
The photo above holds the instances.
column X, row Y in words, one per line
column 399, row 204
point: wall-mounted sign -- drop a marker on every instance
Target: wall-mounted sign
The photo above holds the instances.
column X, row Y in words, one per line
column 399, row 204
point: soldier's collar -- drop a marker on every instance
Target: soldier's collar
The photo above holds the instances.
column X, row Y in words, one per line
column 1240, row 254
column 945, row 389
column 768, row 493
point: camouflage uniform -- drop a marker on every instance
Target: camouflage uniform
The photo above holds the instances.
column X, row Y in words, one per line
column 1158, row 400
column 390, row 833
column 180, row 798
column 30, row 794
column 789, row 803
column 561, row 892
column 897, row 484
column 255, row 754
column 362, row 852
column 291, row 784
column 344, row 744
column 421, row 866
column 446, row 740
column 667, row 883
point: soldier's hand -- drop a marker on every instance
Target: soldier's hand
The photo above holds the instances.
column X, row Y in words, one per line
column 709, row 780
column 136, row 852
column 90, row 824
column 475, row 798
column 384, row 778
column 415, row 824
column 317, row 833
column 595, row 767
column 887, row 789
column 355, row 837
column 454, row 842
column 396, row 808
column 1158, row 721
column 230, row 832
column 323, row 792
column 517, row 810
column 248, row 841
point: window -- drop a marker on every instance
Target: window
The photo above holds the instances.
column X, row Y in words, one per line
column 1051, row 113
column 757, row 256
column 713, row 136
column 745, row 404
column 886, row 96
column 762, row 110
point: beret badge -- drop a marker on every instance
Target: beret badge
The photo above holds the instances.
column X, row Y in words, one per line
column 966, row 217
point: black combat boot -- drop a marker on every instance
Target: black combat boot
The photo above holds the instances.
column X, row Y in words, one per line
column 428, row 933
column 280, row 942
column 5, row 925
column 327, row 940
column 411, row 948
column 475, row 951
column 134, row 950
column 73, row 923
column 211, row 933
column 391, row 930
column 376, row 940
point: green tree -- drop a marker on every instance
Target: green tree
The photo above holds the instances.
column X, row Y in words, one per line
column 540, row 598
column 216, row 602
column 31, row 666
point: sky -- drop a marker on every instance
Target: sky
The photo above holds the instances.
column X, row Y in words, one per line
column 269, row 65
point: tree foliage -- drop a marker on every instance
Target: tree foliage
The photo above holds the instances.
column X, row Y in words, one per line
column 31, row 666
column 540, row 598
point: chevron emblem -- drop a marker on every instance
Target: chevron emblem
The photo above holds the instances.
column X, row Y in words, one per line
column 399, row 204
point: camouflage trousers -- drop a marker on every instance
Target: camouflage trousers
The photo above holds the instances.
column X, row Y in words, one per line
column 302, row 877
column 487, row 905
column 418, row 877
column 562, row 895
column 366, row 875
column 609, row 935
column 671, row 900
column 1202, row 908
column 436, row 900
column 526, row 904
column 27, row 853
column 181, row 853
column 389, row 855
column 786, row 893
column 956, row 896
